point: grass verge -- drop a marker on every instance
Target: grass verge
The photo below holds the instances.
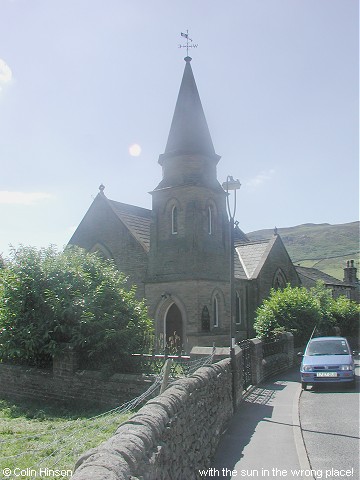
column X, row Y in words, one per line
column 37, row 440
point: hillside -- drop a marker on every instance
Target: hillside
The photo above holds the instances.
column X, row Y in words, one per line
column 324, row 246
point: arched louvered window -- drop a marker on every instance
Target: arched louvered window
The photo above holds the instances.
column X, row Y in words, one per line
column 101, row 250
column 215, row 312
column 174, row 220
column 210, row 221
column 279, row 279
column 205, row 320
column 238, row 310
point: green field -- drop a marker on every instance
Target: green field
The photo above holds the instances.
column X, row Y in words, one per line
column 323, row 246
column 37, row 440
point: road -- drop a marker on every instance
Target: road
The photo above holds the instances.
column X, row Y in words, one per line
column 330, row 424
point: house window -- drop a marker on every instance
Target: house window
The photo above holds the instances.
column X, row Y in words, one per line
column 238, row 310
column 174, row 220
column 215, row 312
column 210, row 220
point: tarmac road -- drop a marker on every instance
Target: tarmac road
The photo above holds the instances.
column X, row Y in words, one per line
column 329, row 416
column 282, row 433
column 264, row 440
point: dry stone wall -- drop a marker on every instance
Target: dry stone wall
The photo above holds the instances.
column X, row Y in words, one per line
column 83, row 387
column 176, row 433
column 172, row 436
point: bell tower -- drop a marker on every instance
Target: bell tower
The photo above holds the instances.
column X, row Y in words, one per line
column 188, row 237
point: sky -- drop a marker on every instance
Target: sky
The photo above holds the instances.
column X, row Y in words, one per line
column 81, row 81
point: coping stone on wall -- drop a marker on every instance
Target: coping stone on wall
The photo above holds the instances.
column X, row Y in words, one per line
column 132, row 452
column 168, row 401
column 104, row 466
column 189, row 384
column 129, row 429
column 204, row 374
column 176, row 394
column 154, row 416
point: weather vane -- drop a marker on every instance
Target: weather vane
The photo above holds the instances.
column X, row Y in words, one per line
column 188, row 45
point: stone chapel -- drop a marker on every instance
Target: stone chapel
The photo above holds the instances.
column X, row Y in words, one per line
column 177, row 254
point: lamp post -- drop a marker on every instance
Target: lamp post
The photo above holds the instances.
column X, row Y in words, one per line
column 232, row 185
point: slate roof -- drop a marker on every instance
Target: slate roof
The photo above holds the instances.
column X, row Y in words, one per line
column 136, row 219
column 250, row 257
column 240, row 236
column 239, row 271
column 313, row 274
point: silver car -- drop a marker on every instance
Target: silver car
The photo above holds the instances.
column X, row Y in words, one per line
column 327, row 359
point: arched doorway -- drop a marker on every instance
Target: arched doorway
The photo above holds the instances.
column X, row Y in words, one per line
column 174, row 329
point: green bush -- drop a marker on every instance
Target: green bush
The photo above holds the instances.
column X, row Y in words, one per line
column 346, row 316
column 291, row 309
column 326, row 324
column 302, row 312
column 50, row 299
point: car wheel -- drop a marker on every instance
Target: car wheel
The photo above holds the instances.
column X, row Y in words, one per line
column 303, row 385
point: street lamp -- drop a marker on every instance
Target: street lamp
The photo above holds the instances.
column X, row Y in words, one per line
column 232, row 185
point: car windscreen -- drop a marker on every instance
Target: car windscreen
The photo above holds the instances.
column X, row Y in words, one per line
column 327, row 347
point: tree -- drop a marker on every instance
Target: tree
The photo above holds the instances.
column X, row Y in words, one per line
column 326, row 325
column 292, row 309
column 338, row 315
column 346, row 316
column 48, row 299
column 302, row 312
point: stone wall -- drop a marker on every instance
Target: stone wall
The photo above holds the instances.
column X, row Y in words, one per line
column 172, row 436
column 176, row 434
column 83, row 387
column 265, row 367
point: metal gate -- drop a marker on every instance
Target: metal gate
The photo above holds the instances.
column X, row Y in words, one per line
column 246, row 347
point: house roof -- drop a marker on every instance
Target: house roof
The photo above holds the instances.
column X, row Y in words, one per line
column 250, row 257
column 136, row 219
column 313, row 274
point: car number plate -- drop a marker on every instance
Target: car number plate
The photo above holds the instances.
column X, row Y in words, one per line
column 326, row 374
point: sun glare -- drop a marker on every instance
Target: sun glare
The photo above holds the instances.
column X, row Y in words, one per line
column 134, row 150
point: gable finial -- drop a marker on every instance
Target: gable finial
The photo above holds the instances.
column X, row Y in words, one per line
column 188, row 45
column 102, row 188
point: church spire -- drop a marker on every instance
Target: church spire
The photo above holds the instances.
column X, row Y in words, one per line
column 189, row 132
